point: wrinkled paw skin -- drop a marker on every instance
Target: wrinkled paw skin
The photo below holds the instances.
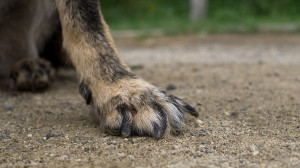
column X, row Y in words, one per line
column 137, row 108
column 31, row 75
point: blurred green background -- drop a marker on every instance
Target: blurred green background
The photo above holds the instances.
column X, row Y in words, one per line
column 172, row 16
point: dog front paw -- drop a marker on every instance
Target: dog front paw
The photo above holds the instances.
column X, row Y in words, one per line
column 134, row 107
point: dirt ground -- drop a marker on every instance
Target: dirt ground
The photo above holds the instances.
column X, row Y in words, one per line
column 246, row 88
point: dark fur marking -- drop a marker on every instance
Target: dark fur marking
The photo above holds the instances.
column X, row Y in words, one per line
column 85, row 92
column 126, row 123
column 115, row 101
column 159, row 131
column 88, row 13
column 110, row 65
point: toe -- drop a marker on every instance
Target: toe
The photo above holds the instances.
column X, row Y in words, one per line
column 159, row 129
column 183, row 106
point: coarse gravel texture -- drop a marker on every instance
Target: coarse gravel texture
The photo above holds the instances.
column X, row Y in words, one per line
column 245, row 87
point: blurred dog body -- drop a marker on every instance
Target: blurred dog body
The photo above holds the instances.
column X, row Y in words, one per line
column 25, row 27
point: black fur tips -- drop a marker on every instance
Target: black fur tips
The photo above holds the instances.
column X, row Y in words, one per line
column 85, row 92
column 182, row 105
column 160, row 129
column 126, row 121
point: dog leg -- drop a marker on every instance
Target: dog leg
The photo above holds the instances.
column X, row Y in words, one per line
column 124, row 103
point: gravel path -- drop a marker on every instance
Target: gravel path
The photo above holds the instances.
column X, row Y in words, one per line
column 246, row 88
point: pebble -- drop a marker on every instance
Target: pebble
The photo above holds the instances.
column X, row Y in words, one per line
column 3, row 134
column 203, row 134
column 136, row 67
column 65, row 157
column 113, row 142
column 52, row 155
column 29, row 135
column 10, row 107
column 131, row 157
column 49, row 135
column 199, row 122
column 171, row 87
column 254, row 150
column 207, row 151
column 175, row 147
column 226, row 113
column 244, row 161
column 53, row 113
column 253, row 165
column 235, row 114
column 192, row 133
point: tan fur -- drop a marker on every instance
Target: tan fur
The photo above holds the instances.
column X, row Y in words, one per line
column 121, row 100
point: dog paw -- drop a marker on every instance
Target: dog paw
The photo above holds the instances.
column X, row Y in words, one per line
column 31, row 75
column 134, row 107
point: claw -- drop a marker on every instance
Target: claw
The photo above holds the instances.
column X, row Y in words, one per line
column 157, row 131
column 184, row 106
column 126, row 121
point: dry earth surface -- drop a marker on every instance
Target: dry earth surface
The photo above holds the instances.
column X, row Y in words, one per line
column 246, row 88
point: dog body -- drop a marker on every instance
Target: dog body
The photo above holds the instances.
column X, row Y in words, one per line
column 123, row 102
column 25, row 26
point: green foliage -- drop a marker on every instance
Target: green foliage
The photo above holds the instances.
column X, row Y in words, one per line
column 237, row 10
column 223, row 15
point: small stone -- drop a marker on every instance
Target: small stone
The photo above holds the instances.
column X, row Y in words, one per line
column 227, row 113
column 29, row 135
column 192, row 133
column 199, row 122
column 49, row 135
column 253, row 165
column 113, row 142
column 52, row 155
column 225, row 164
column 78, row 160
column 10, row 107
column 171, row 87
column 235, row 114
column 3, row 134
column 136, row 67
column 207, row 151
column 65, row 157
column 255, row 153
column 131, row 157
column 254, row 150
column 244, row 109
column 86, row 149
column 203, row 134
column 106, row 139
column 243, row 161
column 33, row 163
column 175, row 147
column 53, row 113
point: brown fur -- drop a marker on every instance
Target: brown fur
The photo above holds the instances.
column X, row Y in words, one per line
column 123, row 102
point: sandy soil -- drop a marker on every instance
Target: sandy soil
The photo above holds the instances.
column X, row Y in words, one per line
column 246, row 88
